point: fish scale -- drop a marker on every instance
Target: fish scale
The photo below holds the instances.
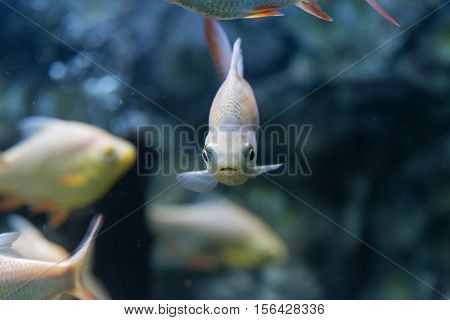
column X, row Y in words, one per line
column 230, row 9
column 230, row 109
column 236, row 9
column 16, row 273
column 22, row 278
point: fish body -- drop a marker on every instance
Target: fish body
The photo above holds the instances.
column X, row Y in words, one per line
column 32, row 244
column 62, row 166
column 230, row 9
column 214, row 234
column 233, row 122
column 230, row 150
column 237, row 9
column 27, row 279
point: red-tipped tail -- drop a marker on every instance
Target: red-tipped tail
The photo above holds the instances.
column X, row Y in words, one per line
column 382, row 12
column 219, row 47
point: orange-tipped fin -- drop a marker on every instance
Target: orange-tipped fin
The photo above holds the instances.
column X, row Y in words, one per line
column 263, row 13
column 56, row 218
column 312, row 7
column 382, row 12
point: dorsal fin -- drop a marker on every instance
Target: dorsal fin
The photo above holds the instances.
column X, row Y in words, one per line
column 237, row 60
column 6, row 241
column 219, row 47
column 30, row 125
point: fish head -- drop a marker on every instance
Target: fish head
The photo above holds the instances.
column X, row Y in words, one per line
column 250, row 253
column 114, row 155
column 273, row 250
column 230, row 155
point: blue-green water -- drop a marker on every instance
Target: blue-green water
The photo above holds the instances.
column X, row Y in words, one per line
column 377, row 98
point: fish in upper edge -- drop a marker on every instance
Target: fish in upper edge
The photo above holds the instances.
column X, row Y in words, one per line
column 61, row 166
column 32, row 244
column 230, row 149
column 211, row 234
column 27, row 279
column 236, row 9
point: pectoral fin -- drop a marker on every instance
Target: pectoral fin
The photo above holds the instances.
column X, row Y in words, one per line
column 264, row 169
column 312, row 7
column 56, row 218
column 73, row 180
column 197, row 181
column 235, row 257
column 6, row 241
column 263, row 12
column 201, row 263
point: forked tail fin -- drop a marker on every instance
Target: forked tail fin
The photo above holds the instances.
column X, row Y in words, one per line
column 80, row 261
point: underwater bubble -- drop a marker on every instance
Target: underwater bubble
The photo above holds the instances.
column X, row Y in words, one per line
column 107, row 84
column 89, row 85
column 101, row 86
column 57, row 70
column 73, row 26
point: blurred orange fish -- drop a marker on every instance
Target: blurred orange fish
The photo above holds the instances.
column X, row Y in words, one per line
column 27, row 279
column 62, row 166
column 235, row 9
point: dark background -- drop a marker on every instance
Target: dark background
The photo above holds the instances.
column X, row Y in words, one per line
column 379, row 149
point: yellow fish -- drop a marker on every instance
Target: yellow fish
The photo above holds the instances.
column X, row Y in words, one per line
column 26, row 279
column 208, row 235
column 236, row 9
column 230, row 150
column 32, row 244
column 62, row 166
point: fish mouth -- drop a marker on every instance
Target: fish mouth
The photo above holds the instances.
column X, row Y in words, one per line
column 129, row 157
column 228, row 170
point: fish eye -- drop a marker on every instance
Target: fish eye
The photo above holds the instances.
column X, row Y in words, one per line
column 205, row 155
column 109, row 154
column 251, row 153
